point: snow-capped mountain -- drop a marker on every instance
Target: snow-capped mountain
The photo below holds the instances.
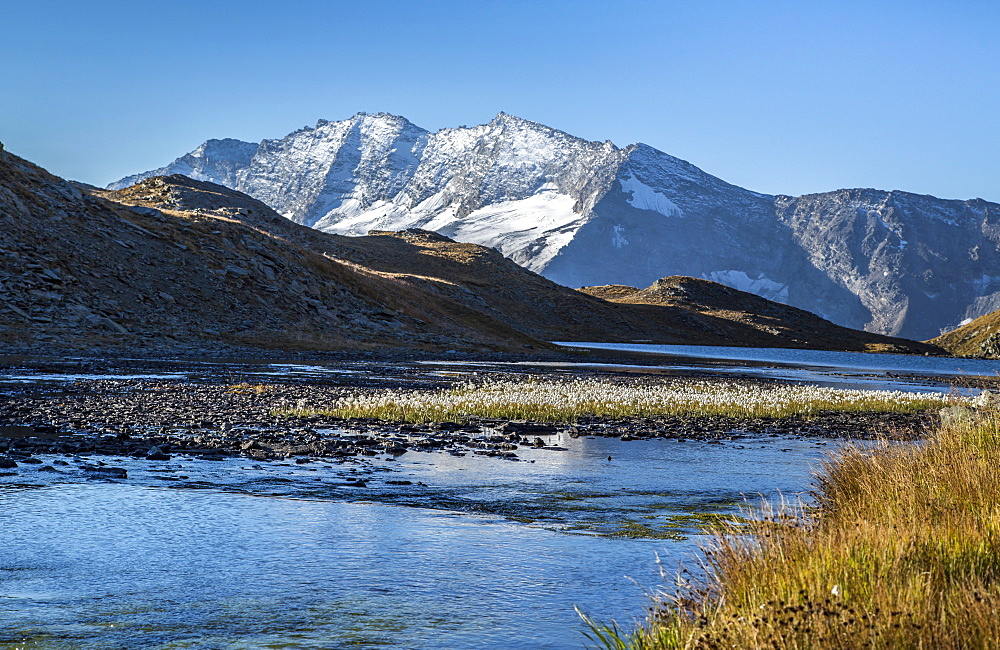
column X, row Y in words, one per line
column 589, row 213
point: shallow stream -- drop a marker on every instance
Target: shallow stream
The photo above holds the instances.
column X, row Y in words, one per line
column 473, row 552
column 429, row 550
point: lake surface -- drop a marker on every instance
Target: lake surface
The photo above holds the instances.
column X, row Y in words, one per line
column 821, row 367
column 433, row 550
column 485, row 553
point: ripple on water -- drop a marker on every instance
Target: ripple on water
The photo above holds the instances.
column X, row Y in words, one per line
column 111, row 566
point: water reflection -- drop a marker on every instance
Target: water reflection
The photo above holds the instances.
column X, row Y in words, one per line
column 474, row 552
column 820, row 367
column 129, row 566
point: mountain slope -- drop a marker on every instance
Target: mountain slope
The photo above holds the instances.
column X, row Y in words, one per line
column 589, row 213
column 478, row 280
column 979, row 338
column 78, row 270
column 791, row 326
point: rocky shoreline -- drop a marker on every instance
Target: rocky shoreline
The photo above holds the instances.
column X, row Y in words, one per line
column 157, row 419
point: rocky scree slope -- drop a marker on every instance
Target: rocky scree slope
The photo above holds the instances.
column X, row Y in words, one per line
column 589, row 213
column 482, row 281
column 81, row 271
column 787, row 326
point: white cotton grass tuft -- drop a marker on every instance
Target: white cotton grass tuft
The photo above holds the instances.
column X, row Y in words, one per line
column 565, row 400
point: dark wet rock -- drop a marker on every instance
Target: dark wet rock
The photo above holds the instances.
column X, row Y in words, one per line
column 399, row 482
column 529, row 428
column 31, row 461
column 48, row 468
column 157, row 453
column 113, row 472
column 6, row 463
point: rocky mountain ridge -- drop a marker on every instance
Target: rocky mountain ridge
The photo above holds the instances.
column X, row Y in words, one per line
column 589, row 213
column 83, row 271
column 175, row 263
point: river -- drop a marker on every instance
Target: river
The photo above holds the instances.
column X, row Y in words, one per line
column 433, row 551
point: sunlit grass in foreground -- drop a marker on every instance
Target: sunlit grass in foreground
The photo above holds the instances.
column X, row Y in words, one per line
column 902, row 552
column 551, row 400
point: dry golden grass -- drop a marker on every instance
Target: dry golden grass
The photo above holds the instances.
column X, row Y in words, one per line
column 903, row 551
column 247, row 387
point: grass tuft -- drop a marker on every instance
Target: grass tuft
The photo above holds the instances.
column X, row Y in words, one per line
column 247, row 387
column 902, row 550
column 567, row 400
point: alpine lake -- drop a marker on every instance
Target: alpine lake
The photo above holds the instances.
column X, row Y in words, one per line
column 418, row 550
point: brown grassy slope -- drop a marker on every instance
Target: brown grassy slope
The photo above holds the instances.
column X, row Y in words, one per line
column 484, row 282
column 478, row 278
column 786, row 326
column 980, row 338
column 550, row 311
column 80, row 270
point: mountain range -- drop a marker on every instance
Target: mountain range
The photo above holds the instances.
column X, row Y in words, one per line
column 173, row 263
column 587, row 213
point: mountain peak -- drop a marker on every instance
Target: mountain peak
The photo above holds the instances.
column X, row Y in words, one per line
column 588, row 213
column 506, row 119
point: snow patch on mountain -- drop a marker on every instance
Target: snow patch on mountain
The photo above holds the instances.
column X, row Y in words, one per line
column 216, row 161
column 645, row 197
column 761, row 285
column 618, row 237
column 530, row 231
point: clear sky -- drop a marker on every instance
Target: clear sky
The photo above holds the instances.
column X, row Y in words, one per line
column 778, row 97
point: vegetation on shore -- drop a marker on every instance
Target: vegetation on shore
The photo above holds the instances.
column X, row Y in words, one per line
column 553, row 400
column 902, row 550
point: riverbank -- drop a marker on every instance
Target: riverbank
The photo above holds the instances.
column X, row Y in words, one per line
column 111, row 447
column 902, row 552
column 157, row 416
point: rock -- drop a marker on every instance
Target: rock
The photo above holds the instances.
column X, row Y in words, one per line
column 114, row 472
column 31, row 461
column 6, row 463
column 155, row 453
column 528, row 428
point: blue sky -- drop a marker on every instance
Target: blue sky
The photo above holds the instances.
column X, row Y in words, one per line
column 778, row 97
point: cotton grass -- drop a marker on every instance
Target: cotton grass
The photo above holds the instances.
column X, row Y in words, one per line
column 555, row 400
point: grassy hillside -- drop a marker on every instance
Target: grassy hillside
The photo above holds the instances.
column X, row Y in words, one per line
column 980, row 338
column 770, row 324
column 79, row 270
